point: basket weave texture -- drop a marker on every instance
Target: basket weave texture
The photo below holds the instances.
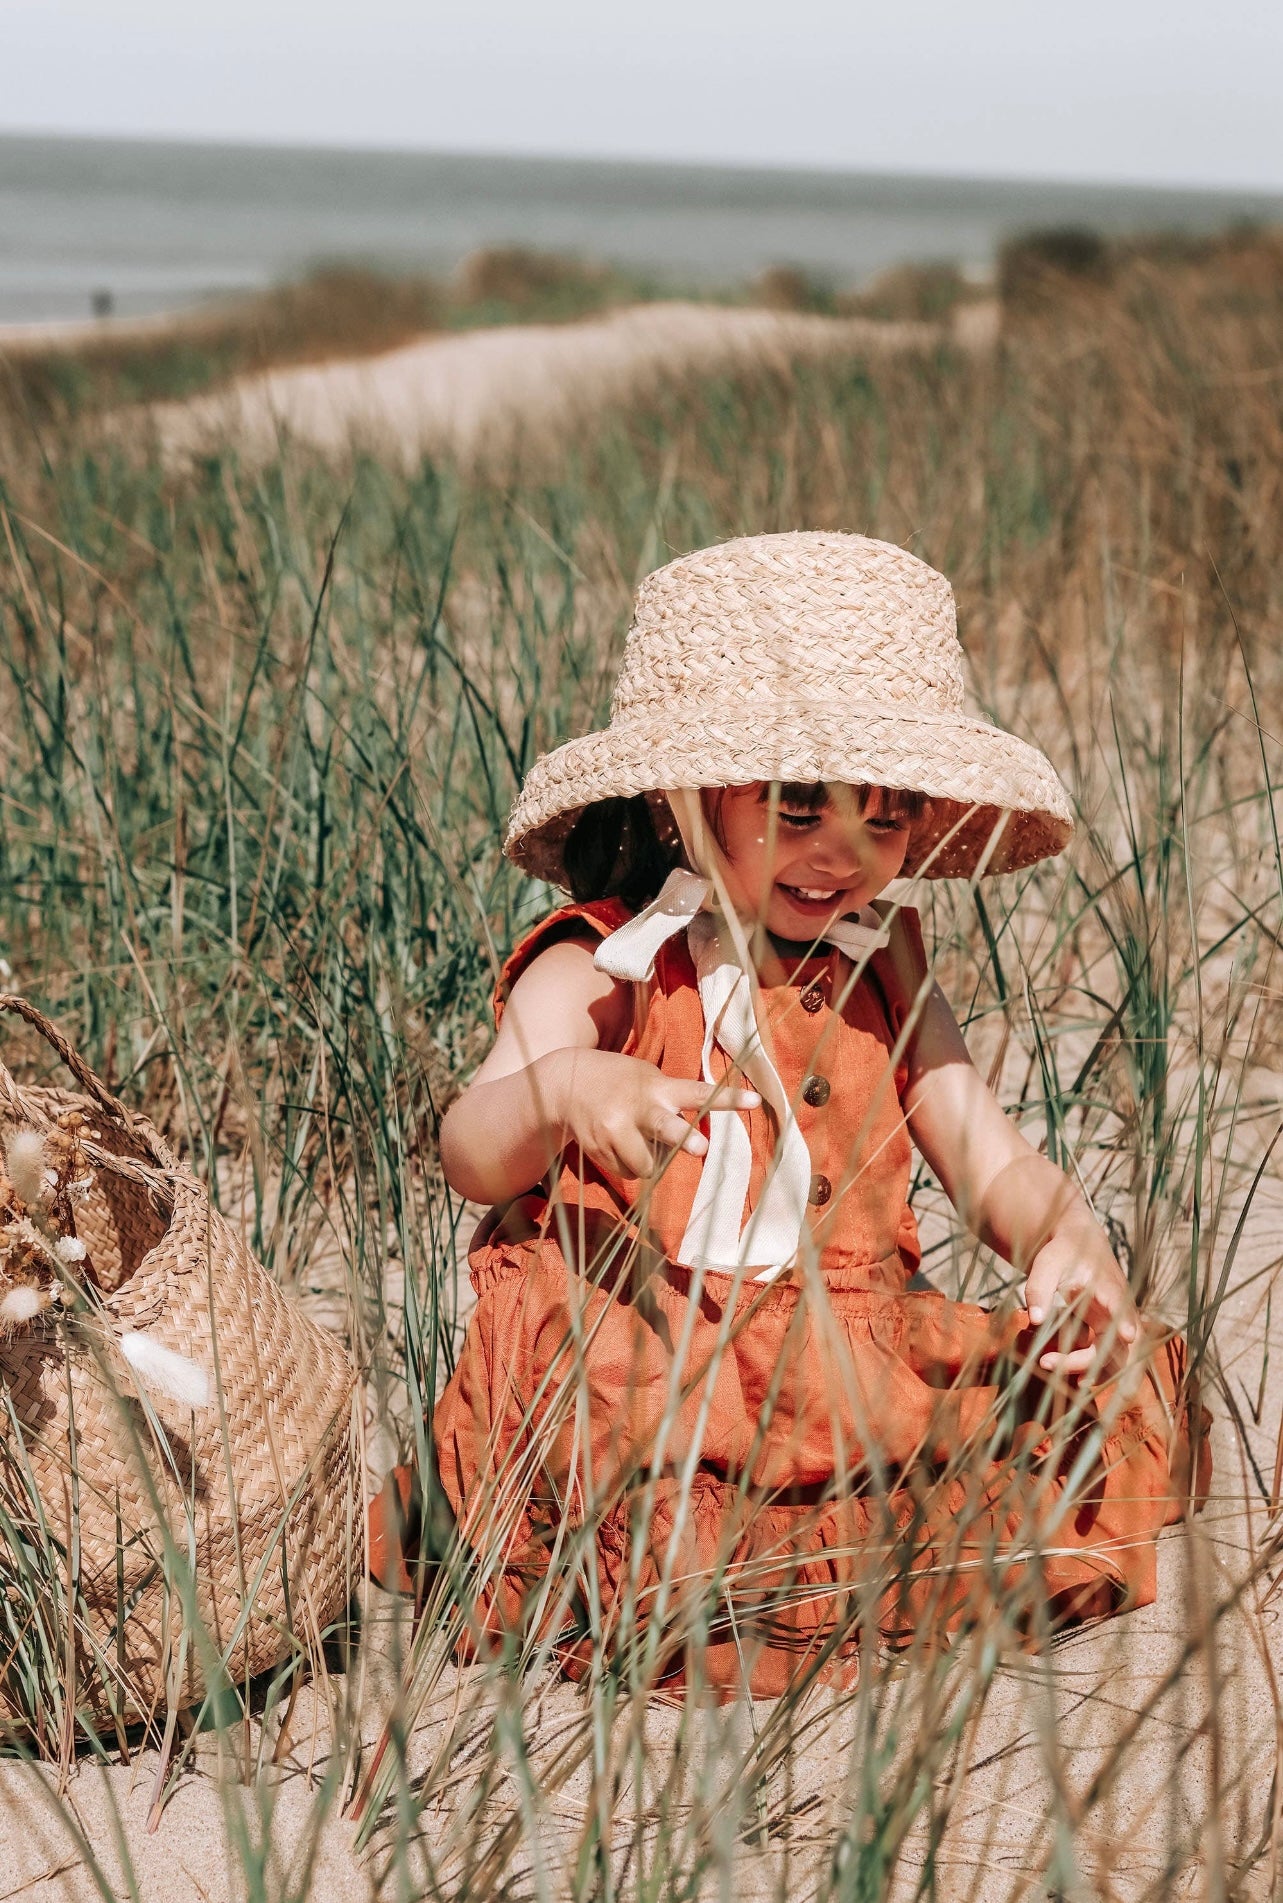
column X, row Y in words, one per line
column 806, row 656
column 258, row 1491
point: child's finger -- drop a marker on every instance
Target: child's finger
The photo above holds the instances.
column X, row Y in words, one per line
column 1113, row 1308
column 1041, row 1293
column 676, row 1134
column 1117, row 1337
column 695, row 1094
column 1109, row 1312
column 1107, row 1361
column 725, row 1097
column 1068, row 1361
column 633, row 1158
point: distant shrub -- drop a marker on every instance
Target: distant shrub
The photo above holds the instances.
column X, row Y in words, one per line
column 511, row 274
column 1027, row 262
column 919, row 293
column 786, row 287
column 339, row 308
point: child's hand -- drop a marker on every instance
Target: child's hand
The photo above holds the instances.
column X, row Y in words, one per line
column 625, row 1113
column 1076, row 1267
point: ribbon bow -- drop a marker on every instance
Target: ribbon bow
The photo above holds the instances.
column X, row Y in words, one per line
column 716, row 1236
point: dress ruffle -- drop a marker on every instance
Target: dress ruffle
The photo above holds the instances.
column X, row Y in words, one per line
column 791, row 1464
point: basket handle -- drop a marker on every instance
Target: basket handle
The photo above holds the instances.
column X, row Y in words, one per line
column 71, row 1058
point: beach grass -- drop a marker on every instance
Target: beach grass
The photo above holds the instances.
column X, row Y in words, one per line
column 260, row 731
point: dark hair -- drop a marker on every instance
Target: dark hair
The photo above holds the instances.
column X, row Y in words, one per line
column 612, row 851
column 812, row 796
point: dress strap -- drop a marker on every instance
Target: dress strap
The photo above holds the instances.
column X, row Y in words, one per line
column 594, row 919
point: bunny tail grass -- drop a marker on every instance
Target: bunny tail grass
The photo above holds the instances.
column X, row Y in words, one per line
column 26, row 1165
column 22, row 1305
column 166, row 1372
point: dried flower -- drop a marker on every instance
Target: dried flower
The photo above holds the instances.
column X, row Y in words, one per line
column 25, row 1163
column 21, row 1305
column 161, row 1368
column 28, row 1252
column 38, row 1244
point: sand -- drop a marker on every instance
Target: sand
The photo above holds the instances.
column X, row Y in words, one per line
column 492, row 389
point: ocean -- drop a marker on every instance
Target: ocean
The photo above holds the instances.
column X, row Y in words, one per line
column 140, row 227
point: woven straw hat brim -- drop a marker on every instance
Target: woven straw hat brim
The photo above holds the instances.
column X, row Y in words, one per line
column 960, row 762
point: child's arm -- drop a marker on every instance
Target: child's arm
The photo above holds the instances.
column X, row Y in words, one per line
column 1013, row 1198
column 556, row 1076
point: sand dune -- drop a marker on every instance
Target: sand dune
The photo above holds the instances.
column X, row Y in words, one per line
column 487, row 389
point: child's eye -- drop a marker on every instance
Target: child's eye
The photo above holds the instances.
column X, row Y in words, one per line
column 891, row 824
column 800, row 822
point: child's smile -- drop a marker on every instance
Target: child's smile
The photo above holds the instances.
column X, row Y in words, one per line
column 809, row 857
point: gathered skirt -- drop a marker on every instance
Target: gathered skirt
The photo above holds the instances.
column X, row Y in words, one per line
column 737, row 1481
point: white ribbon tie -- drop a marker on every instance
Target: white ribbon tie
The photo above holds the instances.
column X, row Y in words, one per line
column 716, row 1235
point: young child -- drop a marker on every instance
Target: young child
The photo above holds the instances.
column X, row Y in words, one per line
column 698, row 1387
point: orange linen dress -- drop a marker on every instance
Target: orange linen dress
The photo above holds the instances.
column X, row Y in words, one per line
column 765, row 1467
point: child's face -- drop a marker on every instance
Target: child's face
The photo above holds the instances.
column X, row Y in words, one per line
column 794, row 869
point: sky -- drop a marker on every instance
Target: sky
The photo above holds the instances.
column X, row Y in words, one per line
column 1155, row 91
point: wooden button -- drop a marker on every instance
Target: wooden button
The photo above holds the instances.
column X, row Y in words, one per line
column 812, row 999
column 821, row 1190
column 815, row 1091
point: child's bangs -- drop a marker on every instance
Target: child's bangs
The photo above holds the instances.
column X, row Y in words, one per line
column 877, row 802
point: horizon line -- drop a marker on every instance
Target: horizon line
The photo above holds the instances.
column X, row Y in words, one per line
column 651, row 162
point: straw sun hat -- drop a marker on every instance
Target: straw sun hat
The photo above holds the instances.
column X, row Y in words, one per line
column 803, row 657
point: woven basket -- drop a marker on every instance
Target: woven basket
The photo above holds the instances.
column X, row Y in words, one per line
column 251, row 1502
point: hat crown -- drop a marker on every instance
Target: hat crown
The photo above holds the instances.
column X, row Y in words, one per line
column 808, row 616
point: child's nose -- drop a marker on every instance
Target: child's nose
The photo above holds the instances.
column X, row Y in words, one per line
column 836, row 861
column 836, row 854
